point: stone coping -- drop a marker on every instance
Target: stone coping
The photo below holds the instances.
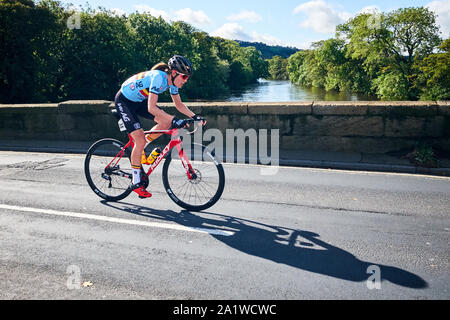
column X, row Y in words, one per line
column 317, row 108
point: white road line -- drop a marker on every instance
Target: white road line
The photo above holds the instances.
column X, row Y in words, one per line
column 118, row 220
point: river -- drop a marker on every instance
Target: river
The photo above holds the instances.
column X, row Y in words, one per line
column 285, row 91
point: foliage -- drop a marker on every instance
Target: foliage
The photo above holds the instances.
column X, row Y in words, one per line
column 211, row 73
column 423, row 155
column 389, row 55
column 268, row 52
column 24, row 49
column 391, row 86
column 434, row 75
column 97, row 56
column 294, row 66
column 246, row 64
column 42, row 60
column 278, row 68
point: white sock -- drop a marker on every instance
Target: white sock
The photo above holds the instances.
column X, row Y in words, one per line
column 136, row 175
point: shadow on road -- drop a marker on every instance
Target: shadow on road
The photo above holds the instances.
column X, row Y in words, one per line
column 297, row 248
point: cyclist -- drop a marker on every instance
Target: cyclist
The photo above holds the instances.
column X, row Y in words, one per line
column 138, row 97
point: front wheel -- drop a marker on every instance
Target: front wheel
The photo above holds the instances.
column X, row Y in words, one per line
column 205, row 187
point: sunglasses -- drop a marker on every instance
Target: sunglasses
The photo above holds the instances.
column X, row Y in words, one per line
column 183, row 76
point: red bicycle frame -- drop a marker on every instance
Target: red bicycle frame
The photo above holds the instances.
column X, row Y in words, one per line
column 173, row 143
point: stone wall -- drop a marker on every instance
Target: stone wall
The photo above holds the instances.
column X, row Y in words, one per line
column 370, row 127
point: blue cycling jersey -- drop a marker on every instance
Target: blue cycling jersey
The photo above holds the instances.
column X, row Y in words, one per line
column 138, row 87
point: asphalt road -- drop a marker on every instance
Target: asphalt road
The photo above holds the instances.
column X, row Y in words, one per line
column 300, row 234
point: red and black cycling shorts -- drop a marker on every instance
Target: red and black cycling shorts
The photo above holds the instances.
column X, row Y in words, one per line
column 130, row 110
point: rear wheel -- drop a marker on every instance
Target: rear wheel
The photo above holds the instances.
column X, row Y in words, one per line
column 107, row 175
column 204, row 189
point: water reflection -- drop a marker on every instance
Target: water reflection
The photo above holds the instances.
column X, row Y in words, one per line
column 276, row 91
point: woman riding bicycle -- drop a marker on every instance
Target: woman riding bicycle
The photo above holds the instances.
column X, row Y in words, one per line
column 138, row 97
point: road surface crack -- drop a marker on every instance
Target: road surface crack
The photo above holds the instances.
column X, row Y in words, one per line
column 36, row 165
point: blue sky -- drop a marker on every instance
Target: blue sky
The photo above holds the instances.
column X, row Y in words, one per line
column 283, row 22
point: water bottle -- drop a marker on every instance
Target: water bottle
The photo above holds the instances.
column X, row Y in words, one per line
column 144, row 158
column 152, row 157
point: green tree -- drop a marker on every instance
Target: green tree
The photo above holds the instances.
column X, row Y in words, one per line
column 98, row 56
column 308, row 72
column 313, row 70
column 24, row 47
column 278, row 68
column 241, row 72
column 259, row 66
column 153, row 40
column 294, row 65
column 211, row 74
column 391, row 85
column 331, row 56
column 343, row 73
column 50, row 71
column 434, row 76
column 414, row 32
column 389, row 47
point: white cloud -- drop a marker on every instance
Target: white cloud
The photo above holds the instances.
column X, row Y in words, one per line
column 249, row 16
column 196, row 18
column 321, row 16
column 193, row 17
column 442, row 10
column 143, row 8
column 232, row 31
column 267, row 39
column 305, row 45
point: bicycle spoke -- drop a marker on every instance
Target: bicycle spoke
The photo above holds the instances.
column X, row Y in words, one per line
column 105, row 171
column 204, row 188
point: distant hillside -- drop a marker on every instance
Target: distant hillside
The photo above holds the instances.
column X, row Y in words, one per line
column 269, row 51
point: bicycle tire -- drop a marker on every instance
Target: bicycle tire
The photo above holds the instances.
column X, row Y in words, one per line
column 97, row 158
column 200, row 183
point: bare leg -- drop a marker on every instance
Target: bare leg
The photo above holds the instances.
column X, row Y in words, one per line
column 155, row 136
column 139, row 145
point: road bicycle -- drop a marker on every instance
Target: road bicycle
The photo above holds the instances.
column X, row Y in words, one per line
column 193, row 178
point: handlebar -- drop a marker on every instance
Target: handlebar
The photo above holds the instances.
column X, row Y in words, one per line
column 190, row 121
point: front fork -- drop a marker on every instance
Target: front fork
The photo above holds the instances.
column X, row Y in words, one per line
column 185, row 161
